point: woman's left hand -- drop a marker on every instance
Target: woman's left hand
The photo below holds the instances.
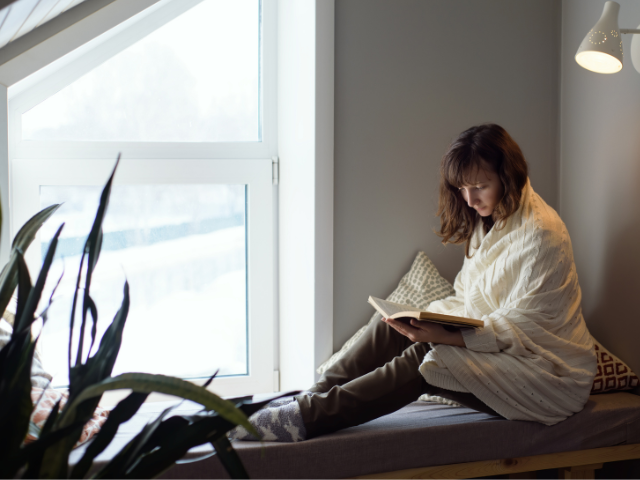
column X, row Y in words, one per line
column 426, row 332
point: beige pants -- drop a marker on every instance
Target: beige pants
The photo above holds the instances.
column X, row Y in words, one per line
column 378, row 376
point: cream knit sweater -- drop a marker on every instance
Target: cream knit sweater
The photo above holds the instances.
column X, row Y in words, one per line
column 534, row 359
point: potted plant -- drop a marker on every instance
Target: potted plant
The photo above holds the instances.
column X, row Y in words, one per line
column 160, row 443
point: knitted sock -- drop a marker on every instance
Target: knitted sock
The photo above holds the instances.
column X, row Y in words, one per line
column 281, row 423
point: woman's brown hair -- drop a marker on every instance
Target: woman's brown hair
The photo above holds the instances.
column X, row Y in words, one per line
column 484, row 147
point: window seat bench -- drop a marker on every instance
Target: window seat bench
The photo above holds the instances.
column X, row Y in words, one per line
column 426, row 440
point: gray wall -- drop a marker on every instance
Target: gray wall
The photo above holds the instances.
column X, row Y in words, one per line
column 600, row 180
column 409, row 76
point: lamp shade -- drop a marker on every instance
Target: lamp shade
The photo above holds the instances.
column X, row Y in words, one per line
column 601, row 49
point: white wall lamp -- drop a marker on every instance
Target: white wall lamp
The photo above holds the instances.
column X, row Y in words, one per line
column 601, row 49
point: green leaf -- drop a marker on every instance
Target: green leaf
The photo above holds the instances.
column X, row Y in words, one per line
column 105, row 358
column 15, row 376
column 92, row 249
column 35, row 459
column 129, row 455
column 21, row 242
column 229, row 458
column 17, row 408
column 33, row 452
column 45, row 313
column 120, row 414
column 51, row 419
column 167, row 449
column 210, row 379
column 28, row 232
column 94, row 321
column 26, row 317
column 100, row 366
column 24, row 288
column 147, row 383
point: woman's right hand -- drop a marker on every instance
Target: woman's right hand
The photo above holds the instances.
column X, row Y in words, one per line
column 426, row 332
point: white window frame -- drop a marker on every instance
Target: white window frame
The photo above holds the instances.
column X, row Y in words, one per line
column 39, row 86
column 35, row 163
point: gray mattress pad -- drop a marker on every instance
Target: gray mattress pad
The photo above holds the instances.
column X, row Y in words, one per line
column 419, row 435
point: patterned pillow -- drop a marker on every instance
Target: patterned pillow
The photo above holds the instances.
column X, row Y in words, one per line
column 420, row 286
column 45, row 399
column 613, row 373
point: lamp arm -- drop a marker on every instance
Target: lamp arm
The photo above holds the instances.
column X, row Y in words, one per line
column 629, row 30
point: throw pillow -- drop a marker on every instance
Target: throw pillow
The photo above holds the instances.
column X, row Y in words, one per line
column 612, row 373
column 45, row 399
column 420, row 286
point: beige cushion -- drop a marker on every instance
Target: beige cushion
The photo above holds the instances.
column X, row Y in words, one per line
column 420, row 286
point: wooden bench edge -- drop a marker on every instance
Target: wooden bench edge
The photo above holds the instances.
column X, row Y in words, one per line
column 533, row 463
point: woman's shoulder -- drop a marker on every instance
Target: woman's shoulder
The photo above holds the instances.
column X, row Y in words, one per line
column 544, row 224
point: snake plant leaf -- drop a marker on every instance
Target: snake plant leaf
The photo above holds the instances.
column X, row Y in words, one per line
column 14, row 423
column 15, row 377
column 121, row 463
column 12, row 357
column 199, row 458
column 88, row 305
column 92, row 248
column 81, row 377
column 100, row 366
column 205, row 427
column 26, row 317
column 154, row 458
column 51, row 419
column 94, row 318
column 45, row 312
column 147, row 383
column 24, row 288
column 120, row 414
column 31, row 452
column 208, row 382
column 42, row 395
column 21, row 242
column 28, row 232
column 229, row 458
column 187, row 432
column 72, row 380
column 35, row 459
column 105, row 357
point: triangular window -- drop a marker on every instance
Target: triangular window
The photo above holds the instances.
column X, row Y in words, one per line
column 195, row 79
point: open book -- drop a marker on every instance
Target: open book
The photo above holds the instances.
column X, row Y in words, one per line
column 396, row 311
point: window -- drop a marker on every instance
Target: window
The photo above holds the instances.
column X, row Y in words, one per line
column 195, row 79
column 186, row 91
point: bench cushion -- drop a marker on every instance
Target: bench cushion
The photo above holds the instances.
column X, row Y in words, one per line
column 419, row 435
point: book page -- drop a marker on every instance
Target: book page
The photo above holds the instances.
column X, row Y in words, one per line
column 388, row 309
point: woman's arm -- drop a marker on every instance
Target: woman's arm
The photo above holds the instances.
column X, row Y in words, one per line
column 427, row 332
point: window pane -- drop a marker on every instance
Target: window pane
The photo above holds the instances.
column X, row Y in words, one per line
column 183, row 250
column 196, row 79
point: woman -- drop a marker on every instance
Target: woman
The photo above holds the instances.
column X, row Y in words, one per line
column 533, row 360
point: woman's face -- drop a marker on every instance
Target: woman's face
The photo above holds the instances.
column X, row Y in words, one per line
column 484, row 191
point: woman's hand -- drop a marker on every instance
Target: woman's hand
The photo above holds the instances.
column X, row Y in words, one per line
column 426, row 332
